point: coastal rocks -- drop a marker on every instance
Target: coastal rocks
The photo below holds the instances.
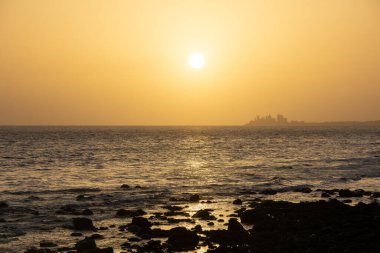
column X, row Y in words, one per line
column 194, row 198
column 83, row 224
column 130, row 213
column 181, row 239
column 125, row 187
column 313, row 227
column 35, row 250
column 303, row 190
column 268, row 192
column 204, row 214
column 141, row 222
column 3, row 204
column 237, row 202
column 87, row 212
column 88, row 245
column 345, row 193
column 47, row 244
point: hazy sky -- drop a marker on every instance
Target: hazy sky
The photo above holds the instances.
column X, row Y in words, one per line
column 126, row 62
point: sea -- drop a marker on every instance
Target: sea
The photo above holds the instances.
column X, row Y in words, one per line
column 44, row 168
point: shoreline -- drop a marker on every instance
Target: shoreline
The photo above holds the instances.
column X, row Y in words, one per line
column 166, row 225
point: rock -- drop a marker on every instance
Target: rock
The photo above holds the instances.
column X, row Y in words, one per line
column 182, row 239
column 204, row 214
column 141, row 222
column 325, row 195
column 87, row 212
column 47, row 244
column 83, row 197
column 268, row 192
column 345, row 193
column 35, row 250
column 83, row 224
column 235, row 227
column 125, row 186
column 96, row 236
column 130, row 213
column 303, row 190
column 173, row 208
column 237, row 202
column 76, row 234
column 3, row 204
column 86, row 245
column 194, row 198
column 376, row 194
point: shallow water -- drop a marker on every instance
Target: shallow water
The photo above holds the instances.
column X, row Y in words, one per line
column 55, row 164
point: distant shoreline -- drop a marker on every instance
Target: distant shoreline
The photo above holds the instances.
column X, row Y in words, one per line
column 327, row 123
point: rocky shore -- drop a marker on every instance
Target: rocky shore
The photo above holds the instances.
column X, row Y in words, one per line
column 339, row 221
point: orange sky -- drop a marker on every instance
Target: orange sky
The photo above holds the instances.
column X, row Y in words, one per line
column 125, row 62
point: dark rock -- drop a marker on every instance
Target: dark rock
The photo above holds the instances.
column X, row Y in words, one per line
column 237, row 202
column 130, row 213
column 87, row 212
column 182, row 239
column 86, row 245
column 269, row 192
column 83, row 224
column 35, row 250
column 376, row 194
column 211, row 223
column 47, row 244
column 197, row 228
column 204, row 214
column 83, row 197
column 173, row 208
column 69, row 209
column 159, row 233
column 125, row 186
column 303, row 190
column 194, row 198
column 325, row 195
column 97, row 236
column 345, row 193
column 3, row 204
column 76, row 234
column 141, row 222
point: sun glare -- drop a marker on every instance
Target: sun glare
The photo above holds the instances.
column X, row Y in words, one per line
column 196, row 60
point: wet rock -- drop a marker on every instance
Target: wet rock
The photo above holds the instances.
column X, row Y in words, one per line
column 87, row 212
column 237, row 202
column 159, row 233
column 268, row 192
column 3, row 204
column 83, row 224
column 181, row 238
column 345, row 193
column 47, row 244
column 194, row 198
column 211, row 223
column 325, row 195
column 303, row 190
column 174, row 220
column 197, row 228
column 313, row 227
column 376, row 194
column 76, row 234
column 125, row 186
column 69, row 209
column 130, row 213
column 83, row 197
column 235, row 227
column 35, row 250
column 97, row 236
column 204, row 214
column 173, row 208
column 86, row 245
column 141, row 222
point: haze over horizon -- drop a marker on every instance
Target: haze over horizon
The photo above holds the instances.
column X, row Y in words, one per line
column 127, row 62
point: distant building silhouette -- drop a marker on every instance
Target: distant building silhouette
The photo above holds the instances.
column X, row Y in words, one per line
column 271, row 121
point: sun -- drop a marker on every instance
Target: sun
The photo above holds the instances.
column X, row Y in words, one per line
column 196, row 60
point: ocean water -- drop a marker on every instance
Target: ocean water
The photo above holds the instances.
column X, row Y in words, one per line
column 43, row 168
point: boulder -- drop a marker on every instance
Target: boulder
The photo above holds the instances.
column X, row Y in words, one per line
column 237, row 202
column 83, row 224
column 181, row 239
